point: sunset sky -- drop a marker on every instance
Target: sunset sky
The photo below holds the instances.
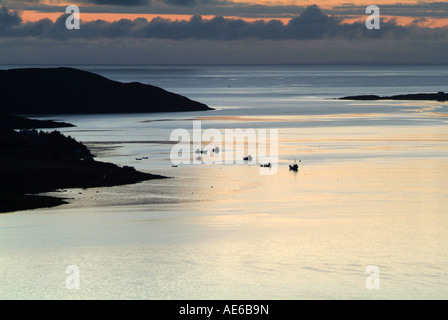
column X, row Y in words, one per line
column 223, row 31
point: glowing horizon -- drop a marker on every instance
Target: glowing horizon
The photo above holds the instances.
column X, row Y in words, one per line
column 32, row 16
column 326, row 32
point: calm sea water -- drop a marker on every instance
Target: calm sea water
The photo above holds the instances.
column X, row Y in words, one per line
column 371, row 190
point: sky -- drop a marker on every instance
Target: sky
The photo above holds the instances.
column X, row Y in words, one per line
column 223, row 32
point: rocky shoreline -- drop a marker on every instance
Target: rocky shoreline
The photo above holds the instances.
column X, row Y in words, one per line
column 34, row 162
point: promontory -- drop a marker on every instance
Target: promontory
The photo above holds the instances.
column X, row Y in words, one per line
column 439, row 96
column 74, row 91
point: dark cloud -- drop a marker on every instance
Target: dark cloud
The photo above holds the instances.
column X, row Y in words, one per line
column 312, row 24
column 228, row 8
column 221, row 40
column 172, row 7
column 313, row 16
column 186, row 3
column 420, row 9
column 118, row 2
column 8, row 19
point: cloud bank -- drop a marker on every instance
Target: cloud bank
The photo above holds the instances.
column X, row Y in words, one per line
column 310, row 37
column 117, row 2
column 311, row 24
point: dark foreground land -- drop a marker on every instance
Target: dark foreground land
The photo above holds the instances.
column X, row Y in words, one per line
column 33, row 162
column 440, row 96
column 71, row 91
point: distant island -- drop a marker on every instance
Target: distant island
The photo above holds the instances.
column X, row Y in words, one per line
column 16, row 122
column 439, row 96
column 33, row 162
column 72, row 91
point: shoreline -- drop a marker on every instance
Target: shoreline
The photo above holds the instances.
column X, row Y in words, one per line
column 32, row 163
column 439, row 96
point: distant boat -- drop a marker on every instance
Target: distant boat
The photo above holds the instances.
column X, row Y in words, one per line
column 248, row 158
column 294, row 166
column 267, row 165
column 144, row 157
column 138, row 158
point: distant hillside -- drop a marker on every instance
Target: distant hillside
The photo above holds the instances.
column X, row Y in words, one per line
column 15, row 122
column 440, row 96
column 72, row 91
column 34, row 162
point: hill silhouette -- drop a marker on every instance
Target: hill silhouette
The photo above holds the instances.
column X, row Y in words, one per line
column 439, row 96
column 8, row 121
column 72, row 91
column 34, row 162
